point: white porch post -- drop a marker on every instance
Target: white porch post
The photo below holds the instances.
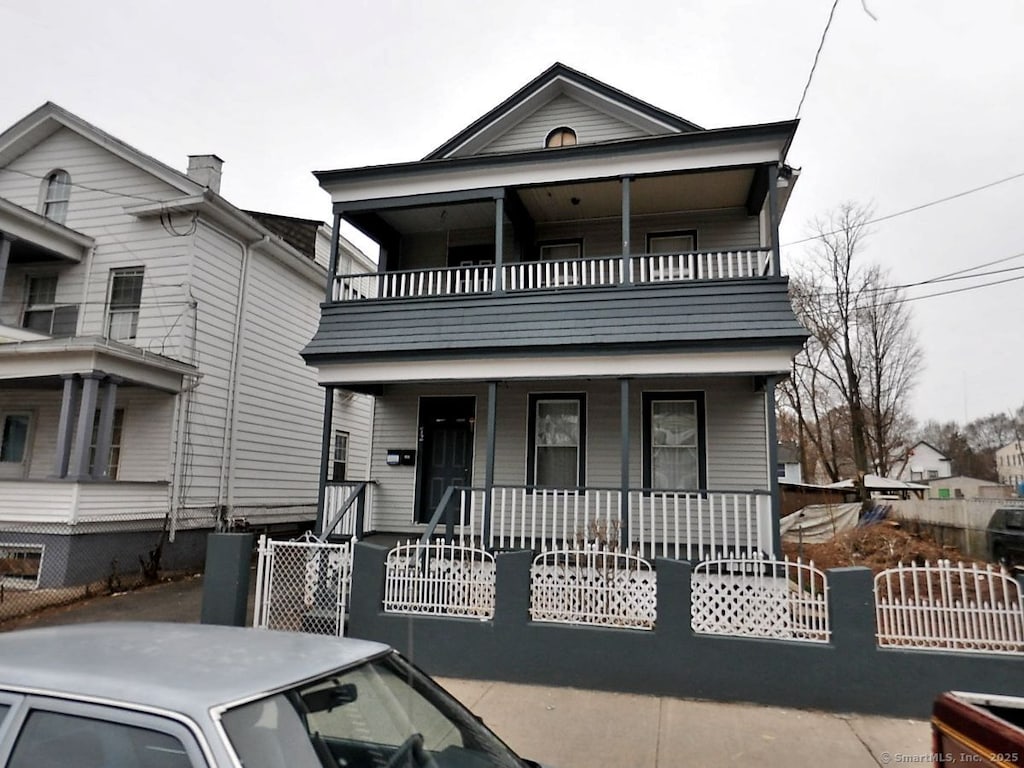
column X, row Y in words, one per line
column 68, row 408
column 492, row 425
column 105, row 430
column 624, row 536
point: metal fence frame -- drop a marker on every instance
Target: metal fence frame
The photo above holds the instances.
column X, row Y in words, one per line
column 440, row 579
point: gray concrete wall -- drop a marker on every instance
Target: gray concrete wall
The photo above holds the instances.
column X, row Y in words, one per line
column 850, row 674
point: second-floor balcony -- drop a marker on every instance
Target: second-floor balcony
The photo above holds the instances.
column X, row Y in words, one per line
column 601, row 271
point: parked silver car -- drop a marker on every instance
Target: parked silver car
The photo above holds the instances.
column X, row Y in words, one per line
column 148, row 695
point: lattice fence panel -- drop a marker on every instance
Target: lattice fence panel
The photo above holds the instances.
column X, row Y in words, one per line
column 440, row 579
column 951, row 606
column 303, row 586
column 760, row 597
column 593, row 586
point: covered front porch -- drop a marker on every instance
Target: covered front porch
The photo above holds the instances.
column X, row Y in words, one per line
column 678, row 467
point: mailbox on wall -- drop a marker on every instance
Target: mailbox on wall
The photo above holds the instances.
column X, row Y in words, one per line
column 400, row 457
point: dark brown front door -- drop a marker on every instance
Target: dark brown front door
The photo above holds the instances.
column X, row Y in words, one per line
column 445, row 449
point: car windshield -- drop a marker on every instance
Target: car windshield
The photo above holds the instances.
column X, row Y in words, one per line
column 384, row 713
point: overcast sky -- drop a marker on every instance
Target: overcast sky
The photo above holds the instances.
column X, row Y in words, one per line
column 924, row 103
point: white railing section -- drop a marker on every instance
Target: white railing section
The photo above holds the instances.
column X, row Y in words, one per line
column 439, row 579
column 572, row 273
column 336, row 495
column 760, row 597
column 543, row 519
column 950, row 606
column 580, row 273
column 302, row 586
column 718, row 265
column 593, row 586
column 699, row 525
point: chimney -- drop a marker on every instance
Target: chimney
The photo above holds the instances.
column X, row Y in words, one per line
column 205, row 170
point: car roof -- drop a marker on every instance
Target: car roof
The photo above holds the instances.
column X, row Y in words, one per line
column 184, row 668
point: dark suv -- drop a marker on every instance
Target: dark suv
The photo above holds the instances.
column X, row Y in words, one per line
column 1006, row 536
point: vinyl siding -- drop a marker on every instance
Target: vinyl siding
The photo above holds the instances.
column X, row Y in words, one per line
column 737, row 451
column 591, row 126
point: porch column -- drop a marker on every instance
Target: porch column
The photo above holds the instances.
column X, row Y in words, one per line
column 105, row 429
column 773, row 462
column 499, row 244
column 773, row 216
column 79, row 469
column 624, row 464
column 5, row 256
column 65, row 426
column 627, row 272
column 492, row 425
column 332, row 268
column 325, row 459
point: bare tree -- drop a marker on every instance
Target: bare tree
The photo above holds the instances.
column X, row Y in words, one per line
column 851, row 382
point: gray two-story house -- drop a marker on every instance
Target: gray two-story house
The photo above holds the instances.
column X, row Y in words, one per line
column 575, row 328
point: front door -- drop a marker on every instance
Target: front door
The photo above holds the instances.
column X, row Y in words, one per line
column 445, row 449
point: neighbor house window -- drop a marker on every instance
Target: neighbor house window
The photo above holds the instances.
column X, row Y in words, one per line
column 563, row 136
column 124, row 302
column 557, row 441
column 56, row 194
column 40, row 302
column 339, row 459
column 14, row 440
column 674, row 441
column 114, row 462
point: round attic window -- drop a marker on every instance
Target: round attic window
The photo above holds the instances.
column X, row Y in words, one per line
column 561, row 137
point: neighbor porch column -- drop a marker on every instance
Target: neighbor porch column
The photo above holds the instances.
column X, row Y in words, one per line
column 65, row 426
column 79, row 469
column 492, row 442
column 5, row 256
column 773, row 216
column 332, row 268
column 773, row 462
column 624, row 464
column 627, row 272
column 325, row 459
column 499, row 244
column 105, row 430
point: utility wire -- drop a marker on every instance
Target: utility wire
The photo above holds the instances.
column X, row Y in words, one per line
column 817, row 55
column 85, row 186
column 914, row 209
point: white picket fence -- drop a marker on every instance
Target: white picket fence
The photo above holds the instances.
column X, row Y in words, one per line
column 760, row 597
column 302, row 586
column 593, row 586
column 439, row 579
column 950, row 606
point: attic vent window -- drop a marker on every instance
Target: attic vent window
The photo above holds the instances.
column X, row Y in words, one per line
column 561, row 137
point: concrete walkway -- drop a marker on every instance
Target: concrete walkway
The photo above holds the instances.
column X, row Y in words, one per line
column 570, row 728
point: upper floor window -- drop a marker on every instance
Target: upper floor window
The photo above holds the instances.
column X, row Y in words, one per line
column 563, row 136
column 123, row 303
column 40, row 301
column 339, row 461
column 56, row 194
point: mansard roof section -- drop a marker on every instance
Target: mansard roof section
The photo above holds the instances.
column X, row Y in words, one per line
column 372, row 186
column 561, row 95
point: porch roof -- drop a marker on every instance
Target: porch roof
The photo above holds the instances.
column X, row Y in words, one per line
column 43, row 363
column 31, row 232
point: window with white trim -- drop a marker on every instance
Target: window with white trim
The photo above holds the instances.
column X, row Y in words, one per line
column 557, row 444
column 563, row 136
column 14, row 438
column 123, row 303
column 114, row 461
column 339, row 458
column 56, row 195
column 560, row 250
column 675, row 441
column 40, row 302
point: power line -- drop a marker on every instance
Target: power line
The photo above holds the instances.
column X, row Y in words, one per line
column 914, row 209
column 86, row 186
column 817, row 55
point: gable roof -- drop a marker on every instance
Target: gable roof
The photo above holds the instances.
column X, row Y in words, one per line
column 555, row 80
column 46, row 120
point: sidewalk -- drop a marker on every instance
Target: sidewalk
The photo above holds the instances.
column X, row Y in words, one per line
column 570, row 728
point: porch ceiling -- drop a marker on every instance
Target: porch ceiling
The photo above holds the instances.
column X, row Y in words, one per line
column 36, row 362
column 436, row 218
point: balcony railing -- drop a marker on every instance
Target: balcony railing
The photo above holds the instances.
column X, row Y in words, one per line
column 593, row 272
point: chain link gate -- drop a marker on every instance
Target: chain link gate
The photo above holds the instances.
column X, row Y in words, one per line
column 303, row 586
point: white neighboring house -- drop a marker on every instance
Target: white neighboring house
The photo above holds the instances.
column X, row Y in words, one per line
column 788, row 464
column 149, row 354
column 1010, row 464
column 923, row 462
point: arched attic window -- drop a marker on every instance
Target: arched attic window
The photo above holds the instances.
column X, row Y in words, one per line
column 56, row 194
column 563, row 136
